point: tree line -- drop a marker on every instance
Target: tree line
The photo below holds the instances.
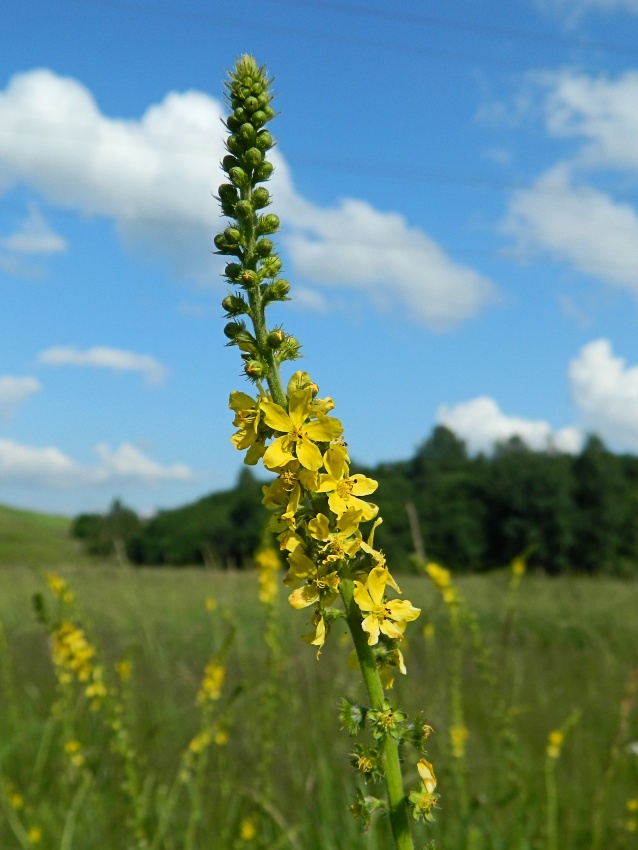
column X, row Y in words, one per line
column 471, row 513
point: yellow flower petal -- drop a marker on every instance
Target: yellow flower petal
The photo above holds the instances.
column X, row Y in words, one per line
column 276, row 417
column 308, row 454
column 304, row 596
column 277, row 454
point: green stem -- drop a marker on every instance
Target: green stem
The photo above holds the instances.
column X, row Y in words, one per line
column 399, row 820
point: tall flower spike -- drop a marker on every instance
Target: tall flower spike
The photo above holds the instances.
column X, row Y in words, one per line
column 317, row 505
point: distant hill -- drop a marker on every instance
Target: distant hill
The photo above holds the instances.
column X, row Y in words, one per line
column 36, row 539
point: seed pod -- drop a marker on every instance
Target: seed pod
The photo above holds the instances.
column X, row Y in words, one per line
column 261, row 198
column 264, row 140
column 263, row 172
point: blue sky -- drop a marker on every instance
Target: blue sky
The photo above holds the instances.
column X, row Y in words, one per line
column 457, row 185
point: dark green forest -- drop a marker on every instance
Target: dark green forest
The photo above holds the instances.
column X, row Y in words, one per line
column 569, row 512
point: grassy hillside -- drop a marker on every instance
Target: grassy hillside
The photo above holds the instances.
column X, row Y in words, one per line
column 34, row 539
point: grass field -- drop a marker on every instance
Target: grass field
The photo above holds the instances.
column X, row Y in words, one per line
column 566, row 646
column 32, row 538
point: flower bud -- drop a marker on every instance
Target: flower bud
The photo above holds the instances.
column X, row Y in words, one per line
column 264, row 140
column 232, row 235
column 238, row 176
column 251, row 104
column 269, row 112
column 255, row 369
column 280, row 289
column 229, row 161
column 247, row 133
column 261, row 198
column 232, row 329
column 263, row 100
column 264, row 247
column 268, row 223
column 233, row 124
column 271, row 265
column 234, row 144
column 232, row 271
column 259, row 118
column 234, row 305
column 290, row 349
column 240, row 115
column 252, row 158
column 275, row 338
column 249, row 279
column 263, row 172
column 243, row 209
column 227, row 193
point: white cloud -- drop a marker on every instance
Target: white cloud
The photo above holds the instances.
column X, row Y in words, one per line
column 34, row 236
column 51, row 468
column 14, row 392
column 603, row 112
column 398, row 266
column 154, row 178
column 102, row 357
column 606, row 392
column 576, row 224
column 482, row 424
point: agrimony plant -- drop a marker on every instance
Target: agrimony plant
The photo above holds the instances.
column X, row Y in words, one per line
column 319, row 507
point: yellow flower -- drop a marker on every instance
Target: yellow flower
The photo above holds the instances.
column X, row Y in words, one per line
column 632, row 805
column 308, row 594
column 439, row 575
column 210, row 603
column 391, row 617
column 345, row 542
column 555, row 743
column 345, row 488
column 518, row 567
column 59, row 587
column 286, row 490
column 16, row 800
column 458, row 737
column 247, row 418
column 318, row 637
column 211, row 687
column 124, row 668
column 35, row 835
column 299, row 434
column 428, row 631
column 426, row 772
column 247, row 830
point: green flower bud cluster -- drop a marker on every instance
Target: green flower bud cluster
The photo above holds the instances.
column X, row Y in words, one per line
column 255, row 266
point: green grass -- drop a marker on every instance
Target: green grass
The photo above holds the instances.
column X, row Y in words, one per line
column 36, row 539
column 571, row 645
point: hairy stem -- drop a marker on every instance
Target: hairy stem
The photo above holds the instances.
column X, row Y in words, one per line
column 399, row 820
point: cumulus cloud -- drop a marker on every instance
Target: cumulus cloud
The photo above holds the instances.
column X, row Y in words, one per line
column 34, row 236
column 397, row 265
column 576, row 224
column 605, row 390
column 482, row 424
column 154, row 177
column 601, row 111
column 102, row 357
column 14, row 392
column 51, row 468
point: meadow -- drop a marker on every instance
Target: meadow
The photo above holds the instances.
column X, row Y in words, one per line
column 538, row 674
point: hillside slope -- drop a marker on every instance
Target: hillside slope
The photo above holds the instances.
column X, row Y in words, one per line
column 36, row 539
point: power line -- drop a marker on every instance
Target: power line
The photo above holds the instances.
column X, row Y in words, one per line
column 312, row 35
